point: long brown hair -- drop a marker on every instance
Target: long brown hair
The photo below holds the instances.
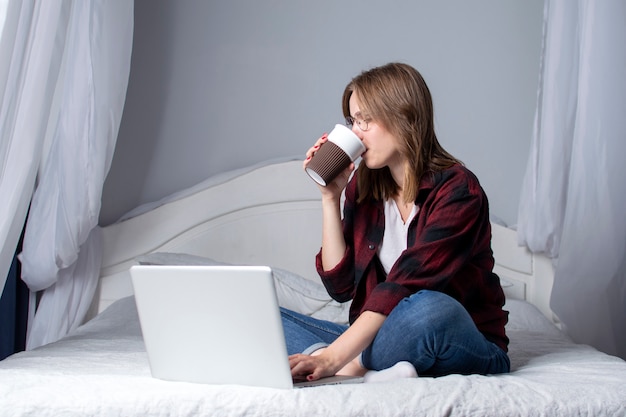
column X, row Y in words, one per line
column 396, row 97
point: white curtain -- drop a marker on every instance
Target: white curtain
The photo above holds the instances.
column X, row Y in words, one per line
column 573, row 200
column 30, row 50
column 90, row 44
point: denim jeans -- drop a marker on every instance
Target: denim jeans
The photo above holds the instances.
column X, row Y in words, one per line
column 430, row 329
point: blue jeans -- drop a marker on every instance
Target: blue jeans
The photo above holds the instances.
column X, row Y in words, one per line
column 430, row 329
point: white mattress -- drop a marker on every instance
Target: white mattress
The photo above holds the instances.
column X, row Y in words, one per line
column 102, row 369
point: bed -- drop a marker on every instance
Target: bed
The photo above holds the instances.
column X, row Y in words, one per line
column 269, row 214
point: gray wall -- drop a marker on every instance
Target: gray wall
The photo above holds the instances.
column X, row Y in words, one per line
column 218, row 85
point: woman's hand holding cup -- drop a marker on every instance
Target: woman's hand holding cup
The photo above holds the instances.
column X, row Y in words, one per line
column 331, row 160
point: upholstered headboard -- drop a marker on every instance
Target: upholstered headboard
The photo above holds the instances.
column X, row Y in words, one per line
column 269, row 215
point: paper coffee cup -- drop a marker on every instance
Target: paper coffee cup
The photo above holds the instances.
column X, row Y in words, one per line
column 342, row 148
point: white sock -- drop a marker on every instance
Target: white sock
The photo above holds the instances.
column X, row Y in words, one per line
column 399, row 370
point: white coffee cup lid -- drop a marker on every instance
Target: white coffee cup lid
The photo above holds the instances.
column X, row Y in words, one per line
column 347, row 140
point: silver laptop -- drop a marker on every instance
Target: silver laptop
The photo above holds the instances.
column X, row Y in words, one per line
column 214, row 325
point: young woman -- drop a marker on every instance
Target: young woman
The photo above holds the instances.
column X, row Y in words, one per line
column 412, row 250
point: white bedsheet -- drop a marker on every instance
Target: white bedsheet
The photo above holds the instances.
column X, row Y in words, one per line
column 101, row 369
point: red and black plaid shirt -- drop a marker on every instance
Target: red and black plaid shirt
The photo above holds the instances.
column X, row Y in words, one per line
column 448, row 250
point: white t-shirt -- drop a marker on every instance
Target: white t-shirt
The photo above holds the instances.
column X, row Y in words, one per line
column 396, row 230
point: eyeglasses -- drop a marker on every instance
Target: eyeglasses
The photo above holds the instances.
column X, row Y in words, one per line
column 363, row 124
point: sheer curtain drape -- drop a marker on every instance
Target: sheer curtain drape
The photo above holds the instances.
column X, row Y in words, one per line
column 573, row 199
column 83, row 82
column 30, row 50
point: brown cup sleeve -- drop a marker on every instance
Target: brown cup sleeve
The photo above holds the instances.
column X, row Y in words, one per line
column 329, row 161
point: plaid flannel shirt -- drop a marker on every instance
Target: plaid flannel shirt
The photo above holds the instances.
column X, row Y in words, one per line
column 448, row 250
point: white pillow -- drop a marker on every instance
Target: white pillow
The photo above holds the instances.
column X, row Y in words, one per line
column 293, row 291
column 527, row 317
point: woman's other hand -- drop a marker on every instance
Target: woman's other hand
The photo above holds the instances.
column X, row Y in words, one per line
column 311, row 367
